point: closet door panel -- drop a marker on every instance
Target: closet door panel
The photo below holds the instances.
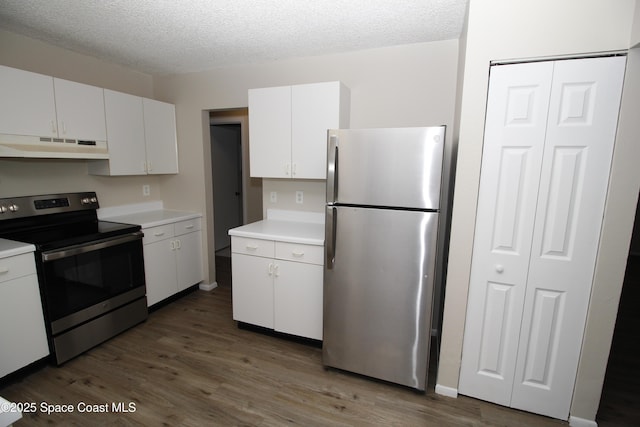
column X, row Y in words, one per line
column 512, row 157
column 585, row 100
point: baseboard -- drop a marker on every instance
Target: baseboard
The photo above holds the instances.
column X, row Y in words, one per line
column 446, row 391
column 581, row 422
column 209, row 287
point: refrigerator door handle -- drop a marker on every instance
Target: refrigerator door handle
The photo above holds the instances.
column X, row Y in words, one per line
column 332, row 169
column 331, row 225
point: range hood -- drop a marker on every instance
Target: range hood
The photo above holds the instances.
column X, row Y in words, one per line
column 51, row 148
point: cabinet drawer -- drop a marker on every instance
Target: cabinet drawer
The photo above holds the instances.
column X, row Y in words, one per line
column 17, row 266
column 310, row 254
column 257, row 247
column 184, row 227
column 155, row 234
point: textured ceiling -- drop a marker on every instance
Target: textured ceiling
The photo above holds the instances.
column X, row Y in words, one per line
column 178, row 36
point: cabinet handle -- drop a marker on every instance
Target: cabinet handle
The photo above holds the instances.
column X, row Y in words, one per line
column 53, row 127
column 158, row 233
column 149, row 166
column 277, row 270
column 287, row 169
column 251, row 247
column 178, row 244
column 297, row 254
column 189, row 227
column 270, row 269
column 4, row 270
column 293, row 172
column 144, row 166
column 64, row 128
column 173, row 245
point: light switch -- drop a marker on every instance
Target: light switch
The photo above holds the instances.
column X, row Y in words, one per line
column 273, row 197
column 299, row 197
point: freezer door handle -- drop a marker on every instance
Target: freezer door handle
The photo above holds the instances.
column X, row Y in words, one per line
column 331, row 224
column 332, row 169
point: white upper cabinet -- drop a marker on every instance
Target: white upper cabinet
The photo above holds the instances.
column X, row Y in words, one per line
column 141, row 134
column 80, row 111
column 288, row 128
column 27, row 104
column 160, row 137
column 42, row 106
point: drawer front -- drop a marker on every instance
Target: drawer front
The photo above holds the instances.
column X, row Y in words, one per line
column 184, row 227
column 310, row 254
column 155, row 234
column 17, row 266
column 257, row 247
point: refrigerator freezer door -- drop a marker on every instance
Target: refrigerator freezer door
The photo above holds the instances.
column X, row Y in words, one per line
column 396, row 167
column 378, row 288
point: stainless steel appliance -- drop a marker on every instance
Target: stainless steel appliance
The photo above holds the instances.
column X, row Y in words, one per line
column 383, row 199
column 91, row 272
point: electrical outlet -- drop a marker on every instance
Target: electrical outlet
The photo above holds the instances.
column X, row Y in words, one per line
column 273, row 197
column 300, row 197
column 146, row 190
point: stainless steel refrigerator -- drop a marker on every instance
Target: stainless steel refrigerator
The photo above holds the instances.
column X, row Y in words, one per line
column 383, row 200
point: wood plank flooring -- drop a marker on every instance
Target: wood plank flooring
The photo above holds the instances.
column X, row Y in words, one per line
column 190, row 365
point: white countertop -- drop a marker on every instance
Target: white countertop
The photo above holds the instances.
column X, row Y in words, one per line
column 153, row 218
column 10, row 248
column 285, row 226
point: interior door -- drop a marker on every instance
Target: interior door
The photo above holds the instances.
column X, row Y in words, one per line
column 583, row 115
column 515, row 129
column 549, row 136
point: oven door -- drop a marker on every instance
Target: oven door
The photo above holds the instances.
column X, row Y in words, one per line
column 84, row 281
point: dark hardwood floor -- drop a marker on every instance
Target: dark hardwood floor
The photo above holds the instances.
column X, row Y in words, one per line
column 190, row 365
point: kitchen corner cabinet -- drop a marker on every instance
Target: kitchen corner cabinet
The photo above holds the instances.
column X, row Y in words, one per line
column 142, row 137
column 172, row 258
column 288, row 128
column 37, row 105
column 22, row 335
column 278, row 285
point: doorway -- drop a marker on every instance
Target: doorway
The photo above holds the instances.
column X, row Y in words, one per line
column 233, row 198
column 226, row 163
column 620, row 401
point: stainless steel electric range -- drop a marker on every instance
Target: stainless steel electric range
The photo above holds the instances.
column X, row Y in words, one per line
column 91, row 272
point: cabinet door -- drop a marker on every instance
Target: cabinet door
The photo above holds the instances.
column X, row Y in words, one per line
column 298, row 299
column 188, row 259
column 27, row 105
column 160, row 270
column 315, row 109
column 23, row 335
column 80, row 111
column 125, row 133
column 270, row 132
column 253, row 289
column 160, row 137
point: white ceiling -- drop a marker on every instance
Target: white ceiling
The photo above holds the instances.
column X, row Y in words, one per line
column 179, row 36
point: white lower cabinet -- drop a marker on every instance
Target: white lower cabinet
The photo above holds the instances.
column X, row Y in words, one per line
column 23, row 338
column 172, row 258
column 278, row 285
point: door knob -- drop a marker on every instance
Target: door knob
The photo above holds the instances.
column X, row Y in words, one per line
column 499, row 268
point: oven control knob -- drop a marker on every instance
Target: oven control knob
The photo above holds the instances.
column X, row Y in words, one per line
column 94, row 200
column 3, row 209
column 13, row 208
column 85, row 201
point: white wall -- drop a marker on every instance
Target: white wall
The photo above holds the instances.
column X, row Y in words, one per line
column 411, row 85
column 504, row 29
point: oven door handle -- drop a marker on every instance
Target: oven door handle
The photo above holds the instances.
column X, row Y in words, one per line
column 93, row 246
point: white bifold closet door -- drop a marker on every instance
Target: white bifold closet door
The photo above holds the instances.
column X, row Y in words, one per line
column 549, row 136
